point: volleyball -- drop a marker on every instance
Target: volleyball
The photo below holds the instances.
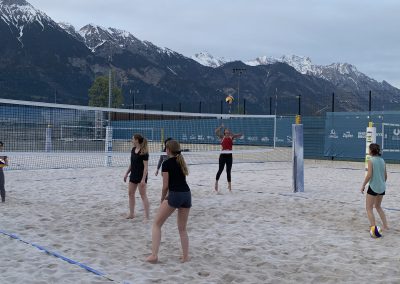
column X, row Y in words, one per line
column 375, row 232
column 2, row 163
column 229, row 99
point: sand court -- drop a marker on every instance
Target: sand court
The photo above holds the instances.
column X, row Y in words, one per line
column 259, row 233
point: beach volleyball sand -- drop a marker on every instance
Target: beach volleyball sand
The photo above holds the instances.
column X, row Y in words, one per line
column 259, row 233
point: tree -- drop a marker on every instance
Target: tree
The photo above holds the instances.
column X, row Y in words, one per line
column 98, row 94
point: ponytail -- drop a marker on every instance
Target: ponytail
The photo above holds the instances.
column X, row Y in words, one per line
column 182, row 164
column 175, row 149
column 144, row 147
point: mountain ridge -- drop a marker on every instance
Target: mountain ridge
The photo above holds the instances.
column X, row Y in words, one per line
column 49, row 58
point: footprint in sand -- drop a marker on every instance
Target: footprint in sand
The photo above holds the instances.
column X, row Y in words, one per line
column 204, row 273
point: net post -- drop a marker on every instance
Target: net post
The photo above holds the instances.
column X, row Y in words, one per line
column 370, row 137
column 48, row 147
column 108, row 146
column 298, row 156
column 162, row 139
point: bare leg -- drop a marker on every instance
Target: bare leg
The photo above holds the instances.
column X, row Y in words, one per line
column 163, row 213
column 216, row 186
column 146, row 206
column 183, row 215
column 131, row 194
column 381, row 213
column 369, row 205
column 230, row 186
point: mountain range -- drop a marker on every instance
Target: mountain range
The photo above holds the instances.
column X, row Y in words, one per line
column 42, row 60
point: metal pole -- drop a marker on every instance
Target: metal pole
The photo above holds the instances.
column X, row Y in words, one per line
column 244, row 106
column 333, row 102
column 109, row 94
column 238, row 94
column 200, row 107
column 299, row 109
column 239, row 71
column 270, row 105
column 370, row 101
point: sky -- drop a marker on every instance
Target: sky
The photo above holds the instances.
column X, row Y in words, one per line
column 364, row 33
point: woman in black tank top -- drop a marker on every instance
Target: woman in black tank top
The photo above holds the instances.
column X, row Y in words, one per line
column 138, row 170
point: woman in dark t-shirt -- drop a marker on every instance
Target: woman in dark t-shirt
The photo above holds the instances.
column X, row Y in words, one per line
column 175, row 195
column 138, row 169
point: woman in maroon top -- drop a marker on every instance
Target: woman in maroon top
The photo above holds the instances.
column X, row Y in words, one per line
column 225, row 158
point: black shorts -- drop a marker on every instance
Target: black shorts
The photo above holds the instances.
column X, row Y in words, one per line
column 179, row 199
column 133, row 179
column 371, row 192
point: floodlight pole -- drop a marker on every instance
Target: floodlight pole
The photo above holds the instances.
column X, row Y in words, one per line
column 239, row 71
column 109, row 91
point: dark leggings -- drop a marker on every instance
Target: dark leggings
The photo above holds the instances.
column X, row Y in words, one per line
column 2, row 190
column 225, row 159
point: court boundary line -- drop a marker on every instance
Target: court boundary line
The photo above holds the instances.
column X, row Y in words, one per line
column 57, row 255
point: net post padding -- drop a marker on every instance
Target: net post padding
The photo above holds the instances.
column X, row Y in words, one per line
column 298, row 157
column 108, row 146
column 370, row 137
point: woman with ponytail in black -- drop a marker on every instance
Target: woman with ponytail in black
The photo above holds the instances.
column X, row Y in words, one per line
column 175, row 195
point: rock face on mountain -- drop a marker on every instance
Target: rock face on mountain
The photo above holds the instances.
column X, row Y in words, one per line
column 42, row 60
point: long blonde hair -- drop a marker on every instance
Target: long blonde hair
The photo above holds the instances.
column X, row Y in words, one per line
column 175, row 149
column 144, row 148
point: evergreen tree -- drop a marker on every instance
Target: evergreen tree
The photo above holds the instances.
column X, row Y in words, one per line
column 98, row 94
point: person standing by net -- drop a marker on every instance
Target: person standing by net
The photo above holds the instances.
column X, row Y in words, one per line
column 225, row 158
column 3, row 163
column 138, row 170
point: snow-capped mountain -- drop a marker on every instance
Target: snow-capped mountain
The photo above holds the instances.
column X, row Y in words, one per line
column 340, row 74
column 70, row 29
column 301, row 64
column 206, row 59
column 17, row 14
column 304, row 66
column 40, row 57
column 96, row 36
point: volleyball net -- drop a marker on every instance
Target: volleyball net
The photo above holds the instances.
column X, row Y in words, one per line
column 44, row 135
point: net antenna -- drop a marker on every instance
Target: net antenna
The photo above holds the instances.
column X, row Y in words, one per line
column 276, row 107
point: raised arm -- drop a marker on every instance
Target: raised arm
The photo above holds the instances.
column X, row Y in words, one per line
column 218, row 131
column 237, row 135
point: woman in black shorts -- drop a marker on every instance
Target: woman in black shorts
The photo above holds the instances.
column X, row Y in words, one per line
column 138, row 169
column 175, row 195
column 225, row 158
